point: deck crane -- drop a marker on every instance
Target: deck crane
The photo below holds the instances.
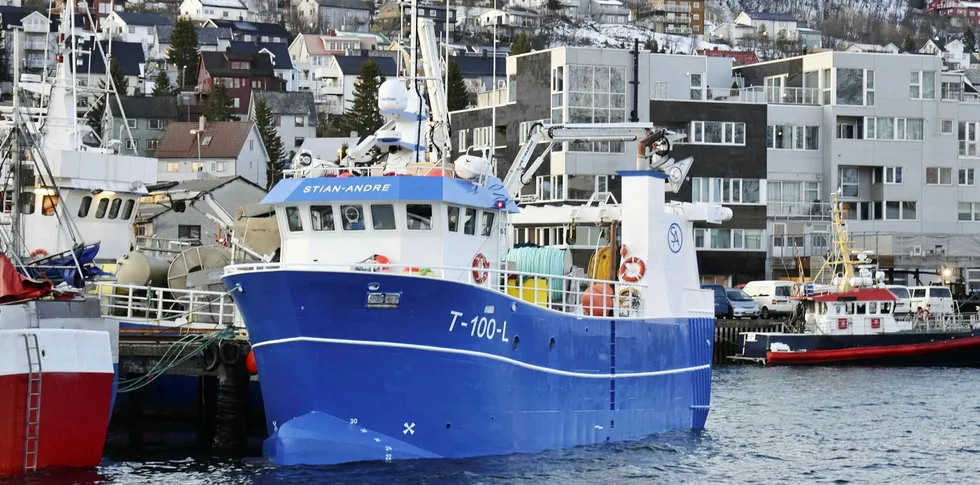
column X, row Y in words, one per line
column 653, row 149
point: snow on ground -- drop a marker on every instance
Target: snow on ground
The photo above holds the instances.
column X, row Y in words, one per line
column 621, row 36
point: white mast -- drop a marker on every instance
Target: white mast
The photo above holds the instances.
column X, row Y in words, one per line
column 493, row 98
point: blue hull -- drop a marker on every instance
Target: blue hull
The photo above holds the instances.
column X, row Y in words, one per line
column 457, row 370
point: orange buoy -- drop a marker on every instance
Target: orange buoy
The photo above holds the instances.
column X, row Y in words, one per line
column 437, row 172
column 382, row 260
column 597, row 300
column 344, row 175
column 250, row 363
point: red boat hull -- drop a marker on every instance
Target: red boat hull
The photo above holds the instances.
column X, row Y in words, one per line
column 917, row 353
column 73, row 419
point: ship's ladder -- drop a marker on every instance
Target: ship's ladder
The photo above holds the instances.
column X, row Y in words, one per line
column 32, row 423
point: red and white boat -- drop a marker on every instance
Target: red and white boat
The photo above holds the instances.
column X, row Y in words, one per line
column 852, row 322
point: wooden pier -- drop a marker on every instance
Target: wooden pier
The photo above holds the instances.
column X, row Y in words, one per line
column 726, row 335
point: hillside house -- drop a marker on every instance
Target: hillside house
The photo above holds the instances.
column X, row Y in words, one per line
column 139, row 28
column 251, row 31
column 241, row 73
column 278, row 52
column 205, row 150
column 295, row 116
column 954, row 54
column 203, row 10
column 309, row 52
column 128, row 54
column 147, row 117
column 38, row 35
column 335, row 83
column 354, row 15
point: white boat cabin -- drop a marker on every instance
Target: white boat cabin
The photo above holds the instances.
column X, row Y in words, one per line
column 405, row 223
column 861, row 311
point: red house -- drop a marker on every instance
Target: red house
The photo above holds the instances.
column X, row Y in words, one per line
column 241, row 73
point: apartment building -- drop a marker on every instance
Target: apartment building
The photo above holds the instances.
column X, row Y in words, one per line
column 679, row 17
column 902, row 152
column 689, row 94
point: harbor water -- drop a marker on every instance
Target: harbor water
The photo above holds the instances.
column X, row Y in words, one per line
column 767, row 425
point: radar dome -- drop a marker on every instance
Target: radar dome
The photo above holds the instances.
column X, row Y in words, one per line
column 392, row 97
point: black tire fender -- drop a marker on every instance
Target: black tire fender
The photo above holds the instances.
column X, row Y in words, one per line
column 211, row 358
column 230, row 352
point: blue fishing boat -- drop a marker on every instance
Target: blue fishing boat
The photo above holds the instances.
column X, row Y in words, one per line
column 400, row 321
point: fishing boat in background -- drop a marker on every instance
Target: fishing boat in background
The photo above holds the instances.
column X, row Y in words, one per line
column 70, row 198
column 401, row 322
column 852, row 321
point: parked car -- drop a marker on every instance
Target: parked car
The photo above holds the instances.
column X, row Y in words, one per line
column 741, row 305
column 903, row 304
column 720, row 298
column 773, row 297
column 936, row 300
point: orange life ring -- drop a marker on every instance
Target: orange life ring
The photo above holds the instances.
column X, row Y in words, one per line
column 922, row 315
column 480, row 262
column 624, row 269
column 382, row 261
column 38, row 252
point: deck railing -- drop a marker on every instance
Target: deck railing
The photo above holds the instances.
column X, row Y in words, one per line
column 421, row 169
column 166, row 308
column 559, row 293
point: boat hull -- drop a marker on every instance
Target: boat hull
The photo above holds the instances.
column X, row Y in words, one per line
column 77, row 385
column 954, row 349
column 457, row 370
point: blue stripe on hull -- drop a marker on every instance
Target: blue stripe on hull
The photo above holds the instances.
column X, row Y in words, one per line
column 344, row 383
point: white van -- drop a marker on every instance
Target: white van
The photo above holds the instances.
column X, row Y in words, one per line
column 937, row 300
column 903, row 304
column 773, row 297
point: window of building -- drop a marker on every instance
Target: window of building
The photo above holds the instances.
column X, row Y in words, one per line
column 298, row 141
column 152, row 144
column 155, row 124
column 887, row 175
column 461, row 146
column 173, row 167
column 900, row 211
column 206, row 141
column 129, row 143
column 826, row 87
column 880, row 128
column 237, row 82
column 946, row 127
column 852, row 86
column 850, row 127
column 102, row 208
column 189, row 232
column 294, row 220
column 197, row 166
column 922, row 85
column 383, row 217
column 728, row 239
column 952, row 91
column 786, row 137
column 966, row 176
column 84, row 206
column 557, row 93
column 321, row 218
column 968, row 138
column 869, row 87
column 849, row 181
column 968, row 212
column 727, row 191
column 717, row 133
column 697, row 89
column 939, row 176
column 481, row 137
column 352, row 217
column 299, row 121
column 128, row 209
column 236, row 103
column 550, row 187
column 131, row 122
column 597, row 94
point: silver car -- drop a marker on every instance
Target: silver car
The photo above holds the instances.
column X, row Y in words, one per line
column 741, row 305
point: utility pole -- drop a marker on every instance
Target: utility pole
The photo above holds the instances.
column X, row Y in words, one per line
column 15, row 227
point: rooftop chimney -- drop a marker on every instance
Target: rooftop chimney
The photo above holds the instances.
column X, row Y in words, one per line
column 201, row 123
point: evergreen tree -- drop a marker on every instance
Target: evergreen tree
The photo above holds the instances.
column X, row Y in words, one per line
column 908, row 45
column 161, row 84
column 554, row 6
column 521, row 44
column 969, row 40
column 184, row 51
column 96, row 115
column 363, row 116
column 219, row 106
column 456, row 90
column 651, row 45
column 265, row 122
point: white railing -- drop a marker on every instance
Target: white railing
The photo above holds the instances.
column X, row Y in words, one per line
column 496, row 97
column 557, row 293
column 768, row 95
column 422, row 169
column 166, row 308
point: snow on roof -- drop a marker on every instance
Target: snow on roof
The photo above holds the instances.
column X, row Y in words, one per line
column 224, row 3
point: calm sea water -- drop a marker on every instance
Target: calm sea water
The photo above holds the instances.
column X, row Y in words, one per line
column 776, row 425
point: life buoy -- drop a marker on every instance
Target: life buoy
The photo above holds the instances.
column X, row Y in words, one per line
column 480, row 262
column 382, row 262
column 38, row 252
column 624, row 273
column 922, row 315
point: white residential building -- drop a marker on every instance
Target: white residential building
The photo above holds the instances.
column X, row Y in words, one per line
column 295, row 113
column 953, row 53
column 139, row 28
column 221, row 149
column 203, row 10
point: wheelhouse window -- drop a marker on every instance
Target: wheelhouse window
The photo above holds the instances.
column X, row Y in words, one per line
column 85, row 206
column 383, row 217
column 321, row 217
column 419, row 217
column 128, row 210
column 114, row 210
column 469, row 222
column 103, row 206
column 487, row 226
column 353, row 217
column 48, row 204
column 293, row 219
column 453, row 218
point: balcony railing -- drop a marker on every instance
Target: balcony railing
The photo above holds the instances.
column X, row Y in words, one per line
column 683, row 7
column 677, row 30
column 776, row 95
column 798, row 210
column 496, row 97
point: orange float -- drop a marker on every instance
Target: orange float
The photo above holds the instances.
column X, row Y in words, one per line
column 382, row 261
column 250, row 363
column 597, row 300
